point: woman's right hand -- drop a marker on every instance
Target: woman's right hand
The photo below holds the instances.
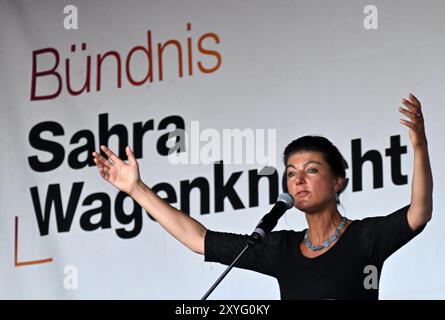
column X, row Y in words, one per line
column 122, row 175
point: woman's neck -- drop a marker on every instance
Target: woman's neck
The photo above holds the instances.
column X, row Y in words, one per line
column 323, row 224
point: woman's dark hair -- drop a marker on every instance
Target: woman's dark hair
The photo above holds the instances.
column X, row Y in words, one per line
column 319, row 144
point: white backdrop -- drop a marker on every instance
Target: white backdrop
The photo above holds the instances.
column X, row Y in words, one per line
column 299, row 67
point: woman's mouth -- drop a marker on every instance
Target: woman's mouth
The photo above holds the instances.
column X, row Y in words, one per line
column 302, row 193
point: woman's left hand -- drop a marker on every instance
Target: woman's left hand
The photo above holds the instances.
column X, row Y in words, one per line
column 416, row 124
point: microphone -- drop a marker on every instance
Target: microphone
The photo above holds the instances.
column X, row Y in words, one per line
column 285, row 201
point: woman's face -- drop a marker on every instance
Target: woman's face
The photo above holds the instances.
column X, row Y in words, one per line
column 311, row 182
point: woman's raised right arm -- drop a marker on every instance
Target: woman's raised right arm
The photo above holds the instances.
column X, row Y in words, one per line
column 126, row 177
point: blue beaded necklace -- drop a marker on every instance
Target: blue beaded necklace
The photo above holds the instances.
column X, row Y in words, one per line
column 325, row 243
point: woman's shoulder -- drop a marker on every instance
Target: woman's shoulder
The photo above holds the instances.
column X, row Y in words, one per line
column 372, row 222
column 382, row 235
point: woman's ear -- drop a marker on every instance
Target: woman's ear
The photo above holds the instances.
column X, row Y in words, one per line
column 339, row 184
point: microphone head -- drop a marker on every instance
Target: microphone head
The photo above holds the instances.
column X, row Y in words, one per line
column 287, row 199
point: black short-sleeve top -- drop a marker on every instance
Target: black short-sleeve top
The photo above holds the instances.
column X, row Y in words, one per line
column 339, row 273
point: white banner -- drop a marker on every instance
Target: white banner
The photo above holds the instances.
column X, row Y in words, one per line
column 250, row 76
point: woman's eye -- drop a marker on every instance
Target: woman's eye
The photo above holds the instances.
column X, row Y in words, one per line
column 290, row 174
column 312, row 170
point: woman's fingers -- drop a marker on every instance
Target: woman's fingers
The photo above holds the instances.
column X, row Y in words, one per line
column 103, row 170
column 416, row 121
column 111, row 155
column 409, row 114
column 131, row 157
column 411, row 106
column 408, row 124
column 101, row 160
column 103, row 173
column 101, row 166
column 415, row 101
column 414, row 111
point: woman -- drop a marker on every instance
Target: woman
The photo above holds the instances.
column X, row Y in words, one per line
column 330, row 259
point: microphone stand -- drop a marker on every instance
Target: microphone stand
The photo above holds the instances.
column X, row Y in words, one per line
column 253, row 240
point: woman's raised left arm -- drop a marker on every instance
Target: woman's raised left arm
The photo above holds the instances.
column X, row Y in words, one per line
column 421, row 207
